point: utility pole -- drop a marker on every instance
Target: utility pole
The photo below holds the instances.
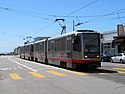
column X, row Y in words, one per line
column 75, row 25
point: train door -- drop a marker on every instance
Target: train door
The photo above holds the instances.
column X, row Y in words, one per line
column 68, row 47
column 32, row 55
column 69, row 52
column 46, row 49
column 77, row 48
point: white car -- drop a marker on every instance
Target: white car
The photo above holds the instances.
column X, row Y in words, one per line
column 120, row 57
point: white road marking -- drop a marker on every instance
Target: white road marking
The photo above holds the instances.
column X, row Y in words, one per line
column 22, row 65
column 11, row 68
column 49, row 66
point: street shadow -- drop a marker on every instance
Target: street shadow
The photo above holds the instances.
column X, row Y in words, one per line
column 102, row 71
column 96, row 71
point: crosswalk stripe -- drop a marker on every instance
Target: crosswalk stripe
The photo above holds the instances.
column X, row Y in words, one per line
column 121, row 72
column 74, row 72
column 56, row 73
column 103, row 73
column 15, row 76
column 119, row 68
column 38, row 75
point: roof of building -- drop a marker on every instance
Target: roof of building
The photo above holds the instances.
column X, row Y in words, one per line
column 110, row 32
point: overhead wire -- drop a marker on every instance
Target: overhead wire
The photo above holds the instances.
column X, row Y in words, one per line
column 51, row 15
column 34, row 14
column 29, row 13
column 104, row 15
column 68, row 15
column 43, row 28
column 120, row 18
column 78, row 10
column 24, row 12
column 81, row 8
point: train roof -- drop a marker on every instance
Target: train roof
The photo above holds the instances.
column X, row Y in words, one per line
column 40, row 41
column 28, row 44
column 71, row 33
column 67, row 34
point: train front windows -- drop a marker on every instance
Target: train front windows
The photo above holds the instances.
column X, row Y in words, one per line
column 91, row 43
column 77, row 44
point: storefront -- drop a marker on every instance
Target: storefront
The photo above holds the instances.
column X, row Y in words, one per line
column 119, row 40
column 107, row 38
column 119, row 43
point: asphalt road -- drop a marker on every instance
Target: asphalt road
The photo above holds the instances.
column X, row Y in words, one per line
column 19, row 76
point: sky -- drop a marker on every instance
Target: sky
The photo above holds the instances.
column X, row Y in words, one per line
column 36, row 18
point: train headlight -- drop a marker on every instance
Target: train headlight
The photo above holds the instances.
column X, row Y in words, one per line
column 97, row 56
column 86, row 56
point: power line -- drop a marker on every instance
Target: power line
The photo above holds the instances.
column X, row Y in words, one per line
column 28, row 13
column 104, row 15
column 43, row 28
column 64, row 27
column 35, row 14
column 81, row 8
column 119, row 18
column 24, row 12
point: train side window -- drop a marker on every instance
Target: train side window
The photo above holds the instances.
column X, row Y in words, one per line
column 69, row 43
column 49, row 49
column 77, row 44
column 52, row 45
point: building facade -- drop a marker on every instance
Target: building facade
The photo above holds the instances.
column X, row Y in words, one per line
column 114, row 41
column 107, row 38
column 119, row 40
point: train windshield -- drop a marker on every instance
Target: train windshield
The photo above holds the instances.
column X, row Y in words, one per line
column 91, row 43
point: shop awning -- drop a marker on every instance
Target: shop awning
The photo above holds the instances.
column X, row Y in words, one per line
column 118, row 41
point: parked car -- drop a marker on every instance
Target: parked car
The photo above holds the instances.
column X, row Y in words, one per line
column 106, row 57
column 120, row 57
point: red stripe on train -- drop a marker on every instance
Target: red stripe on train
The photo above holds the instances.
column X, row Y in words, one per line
column 74, row 61
column 69, row 60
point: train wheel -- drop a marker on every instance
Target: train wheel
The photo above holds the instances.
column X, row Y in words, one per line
column 32, row 58
column 74, row 66
column 63, row 64
column 91, row 67
column 46, row 60
column 36, row 59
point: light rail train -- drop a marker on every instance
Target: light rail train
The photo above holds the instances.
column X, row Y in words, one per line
column 78, row 49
